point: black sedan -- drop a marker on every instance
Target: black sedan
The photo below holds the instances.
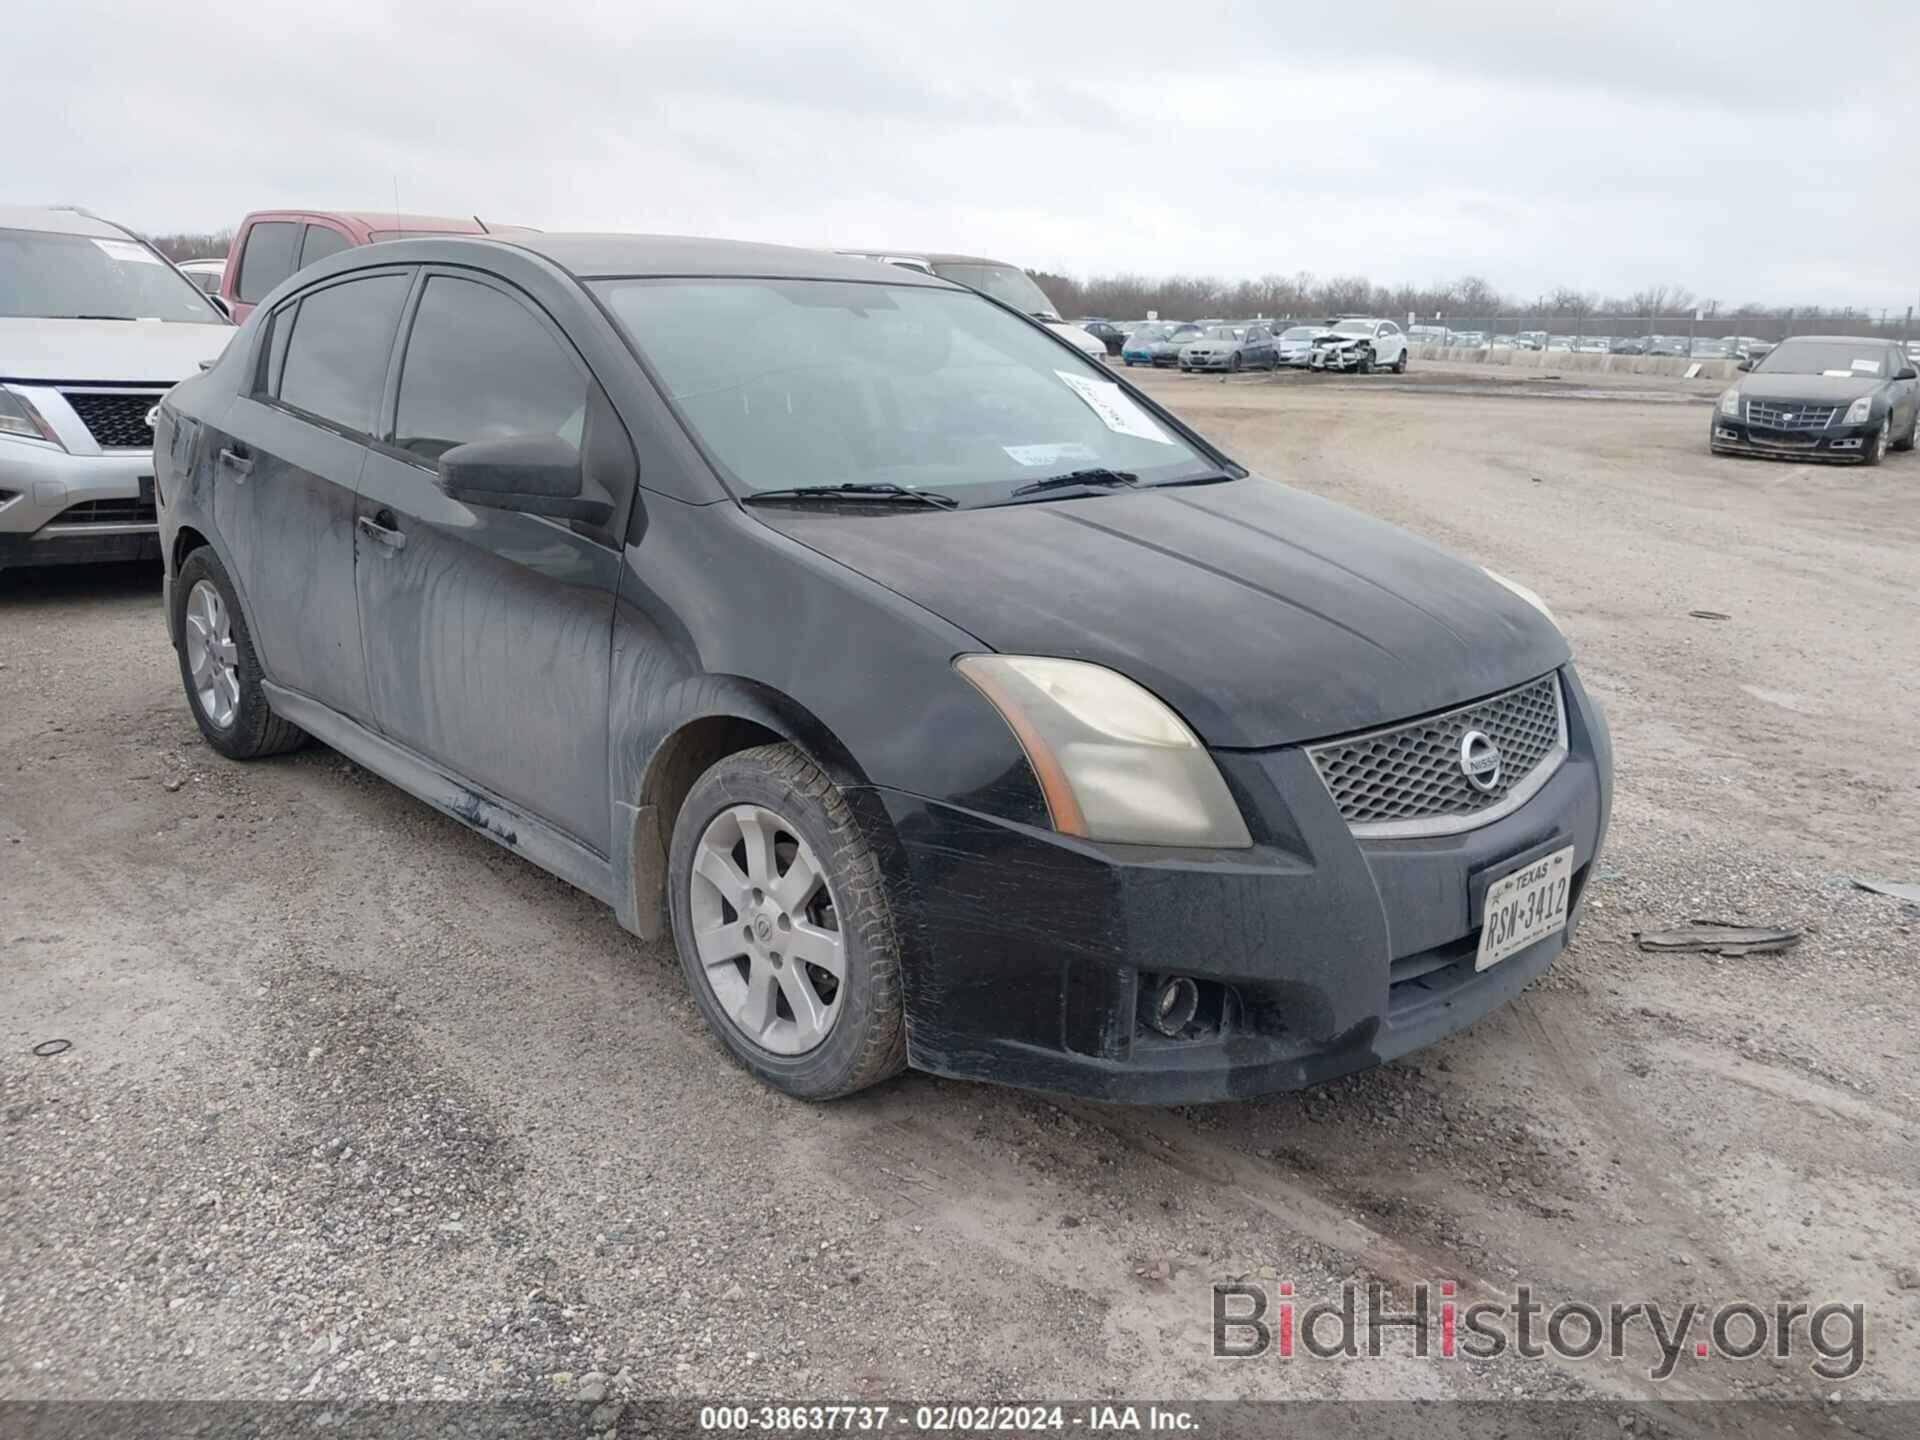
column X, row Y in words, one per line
column 1822, row 397
column 1107, row 333
column 951, row 704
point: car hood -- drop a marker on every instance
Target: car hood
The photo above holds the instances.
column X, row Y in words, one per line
column 1338, row 339
column 1264, row 615
column 109, row 351
column 1828, row 389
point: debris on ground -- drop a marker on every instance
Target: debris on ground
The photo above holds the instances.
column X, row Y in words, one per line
column 1718, row 937
column 1709, row 615
column 1905, row 890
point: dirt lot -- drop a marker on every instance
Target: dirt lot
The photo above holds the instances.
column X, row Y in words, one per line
column 359, row 1105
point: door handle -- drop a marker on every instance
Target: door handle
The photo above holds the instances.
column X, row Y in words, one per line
column 386, row 535
column 236, row 459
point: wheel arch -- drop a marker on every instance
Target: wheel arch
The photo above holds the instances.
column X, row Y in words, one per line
column 709, row 718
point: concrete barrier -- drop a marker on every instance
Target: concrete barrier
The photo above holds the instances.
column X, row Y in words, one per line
column 1566, row 362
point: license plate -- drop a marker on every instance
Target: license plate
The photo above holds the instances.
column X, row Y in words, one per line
column 1525, row 906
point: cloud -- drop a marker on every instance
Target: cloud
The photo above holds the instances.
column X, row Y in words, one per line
column 1596, row 145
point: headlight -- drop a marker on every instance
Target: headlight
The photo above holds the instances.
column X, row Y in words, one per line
column 1858, row 411
column 18, row 417
column 1730, row 403
column 1524, row 593
column 1113, row 762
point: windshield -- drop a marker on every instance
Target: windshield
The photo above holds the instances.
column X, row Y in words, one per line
column 1300, row 332
column 838, row 383
column 1185, row 332
column 1005, row 283
column 1825, row 357
column 1354, row 327
column 1225, row 332
column 49, row 276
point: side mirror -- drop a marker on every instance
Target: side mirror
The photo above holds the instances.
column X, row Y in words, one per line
column 1907, row 372
column 1744, row 365
column 534, row 474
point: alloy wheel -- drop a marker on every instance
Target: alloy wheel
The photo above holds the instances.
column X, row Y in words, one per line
column 766, row 930
column 212, row 658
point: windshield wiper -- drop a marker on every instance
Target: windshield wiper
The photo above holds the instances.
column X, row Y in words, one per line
column 853, row 490
column 1093, row 476
column 1212, row 478
column 96, row 317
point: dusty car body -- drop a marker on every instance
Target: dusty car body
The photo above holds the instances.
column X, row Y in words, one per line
column 982, row 718
column 1822, row 397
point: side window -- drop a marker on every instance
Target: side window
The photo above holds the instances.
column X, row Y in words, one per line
column 321, row 241
column 336, row 357
column 267, row 259
column 479, row 366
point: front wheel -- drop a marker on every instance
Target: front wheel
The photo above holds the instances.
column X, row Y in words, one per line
column 218, row 665
column 1365, row 367
column 1906, row 441
column 1233, row 362
column 783, row 927
column 1882, row 442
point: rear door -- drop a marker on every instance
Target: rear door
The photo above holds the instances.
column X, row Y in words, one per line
column 288, row 461
column 488, row 632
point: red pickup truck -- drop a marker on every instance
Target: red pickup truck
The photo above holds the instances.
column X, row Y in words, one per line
column 271, row 244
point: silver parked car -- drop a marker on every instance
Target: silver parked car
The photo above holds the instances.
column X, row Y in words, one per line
column 95, row 326
column 1231, row 347
column 1295, row 345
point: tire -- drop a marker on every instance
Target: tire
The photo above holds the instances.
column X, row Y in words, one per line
column 857, row 1033
column 248, row 729
column 1365, row 363
column 1906, row 441
column 1233, row 362
column 1400, row 365
column 1882, row 442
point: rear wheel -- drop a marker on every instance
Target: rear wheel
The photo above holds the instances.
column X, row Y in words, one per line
column 218, row 665
column 783, row 926
column 1400, row 365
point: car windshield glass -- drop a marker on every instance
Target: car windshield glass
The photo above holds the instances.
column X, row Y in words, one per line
column 1825, row 357
column 843, row 382
column 1225, row 332
column 1005, row 283
column 1144, row 333
column 1185, row 332
column 1354, row 327
column 49, row 276
column 1300, row 332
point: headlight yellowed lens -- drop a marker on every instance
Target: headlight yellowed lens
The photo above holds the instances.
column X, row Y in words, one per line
column 1113, row 762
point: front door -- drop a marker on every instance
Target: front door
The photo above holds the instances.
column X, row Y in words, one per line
column 288, row 461
column 488, row 632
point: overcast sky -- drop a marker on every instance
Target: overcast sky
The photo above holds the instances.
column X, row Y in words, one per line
column 1759, row 150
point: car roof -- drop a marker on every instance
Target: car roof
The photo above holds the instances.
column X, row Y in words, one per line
column 59, row 219
column 1841, row 339
column 932, row 257
column 381, row 220
column 592, row 256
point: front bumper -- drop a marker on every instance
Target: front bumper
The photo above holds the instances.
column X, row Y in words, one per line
column 1317, row 954
column 67, row 508
column 1341, row 359
column 1831, row 442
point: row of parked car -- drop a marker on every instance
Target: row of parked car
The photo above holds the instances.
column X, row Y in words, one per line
column 1348, row 342
column 1733, row 347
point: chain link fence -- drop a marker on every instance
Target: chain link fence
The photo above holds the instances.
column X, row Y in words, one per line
column 1691, row 333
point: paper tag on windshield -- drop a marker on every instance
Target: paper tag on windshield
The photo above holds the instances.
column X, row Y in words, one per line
column 1116, row 408
column 126, row 250
column 1049, row 454
column 1872, row 367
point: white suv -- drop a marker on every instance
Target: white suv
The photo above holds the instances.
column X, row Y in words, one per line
column 95, row 326
column 1363, row 343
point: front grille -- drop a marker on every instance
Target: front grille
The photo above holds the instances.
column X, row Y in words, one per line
column 117, row 419
column 1790, row 417
column 1408, row 780
column 112, row 512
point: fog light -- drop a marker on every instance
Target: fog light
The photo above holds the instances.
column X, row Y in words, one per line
column 1174, row 1005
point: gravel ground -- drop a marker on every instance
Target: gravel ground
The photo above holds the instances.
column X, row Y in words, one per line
column 358, row 1105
